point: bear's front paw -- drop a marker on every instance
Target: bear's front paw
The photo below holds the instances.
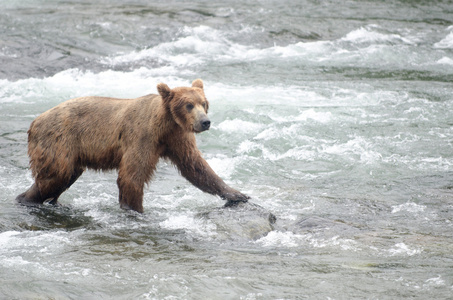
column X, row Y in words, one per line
column 234, row 198
column 233, row 203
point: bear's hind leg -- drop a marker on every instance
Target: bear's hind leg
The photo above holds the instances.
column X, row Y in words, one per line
column 75, row 175
column 48, row 189
column 30, row 197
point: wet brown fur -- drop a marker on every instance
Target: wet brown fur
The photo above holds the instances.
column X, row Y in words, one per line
column 129, row 135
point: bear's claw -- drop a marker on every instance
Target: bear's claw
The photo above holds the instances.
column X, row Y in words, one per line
column 232, row 203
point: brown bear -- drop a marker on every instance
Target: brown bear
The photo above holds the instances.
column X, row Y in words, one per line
column 129, row 135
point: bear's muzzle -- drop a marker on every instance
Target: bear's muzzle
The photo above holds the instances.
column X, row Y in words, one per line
column 202, row 121
column 203, row 124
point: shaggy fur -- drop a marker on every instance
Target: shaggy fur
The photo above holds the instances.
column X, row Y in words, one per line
column 129, row 135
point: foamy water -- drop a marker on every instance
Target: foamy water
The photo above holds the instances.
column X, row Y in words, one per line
column 340, row 126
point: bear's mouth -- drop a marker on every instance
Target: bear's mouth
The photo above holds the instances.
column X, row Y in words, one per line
column 199, row 131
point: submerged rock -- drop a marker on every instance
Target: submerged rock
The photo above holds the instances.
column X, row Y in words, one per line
column 325, row 227
column 243, row 221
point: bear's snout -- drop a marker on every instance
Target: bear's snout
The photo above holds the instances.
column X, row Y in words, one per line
column 205, row 124
column 201, row 122
column 202, row 125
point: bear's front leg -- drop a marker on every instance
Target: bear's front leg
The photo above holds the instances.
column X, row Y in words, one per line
column 198, row 172
column 135, row 169
column 130, row 187
column 130, row 198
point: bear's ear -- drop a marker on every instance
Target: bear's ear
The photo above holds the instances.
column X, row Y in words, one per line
column 197, row 83
column 163, row 90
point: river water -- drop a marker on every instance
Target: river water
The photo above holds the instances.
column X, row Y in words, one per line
column 336, row 116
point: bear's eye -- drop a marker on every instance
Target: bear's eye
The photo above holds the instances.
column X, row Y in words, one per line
column 189, row 106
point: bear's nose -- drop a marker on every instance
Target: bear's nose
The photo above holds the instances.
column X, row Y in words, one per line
column 205, row 124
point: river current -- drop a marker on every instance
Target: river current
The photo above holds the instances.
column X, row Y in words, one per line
column 336, row 116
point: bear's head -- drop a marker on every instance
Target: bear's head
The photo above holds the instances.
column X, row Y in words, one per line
column 187, row 105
